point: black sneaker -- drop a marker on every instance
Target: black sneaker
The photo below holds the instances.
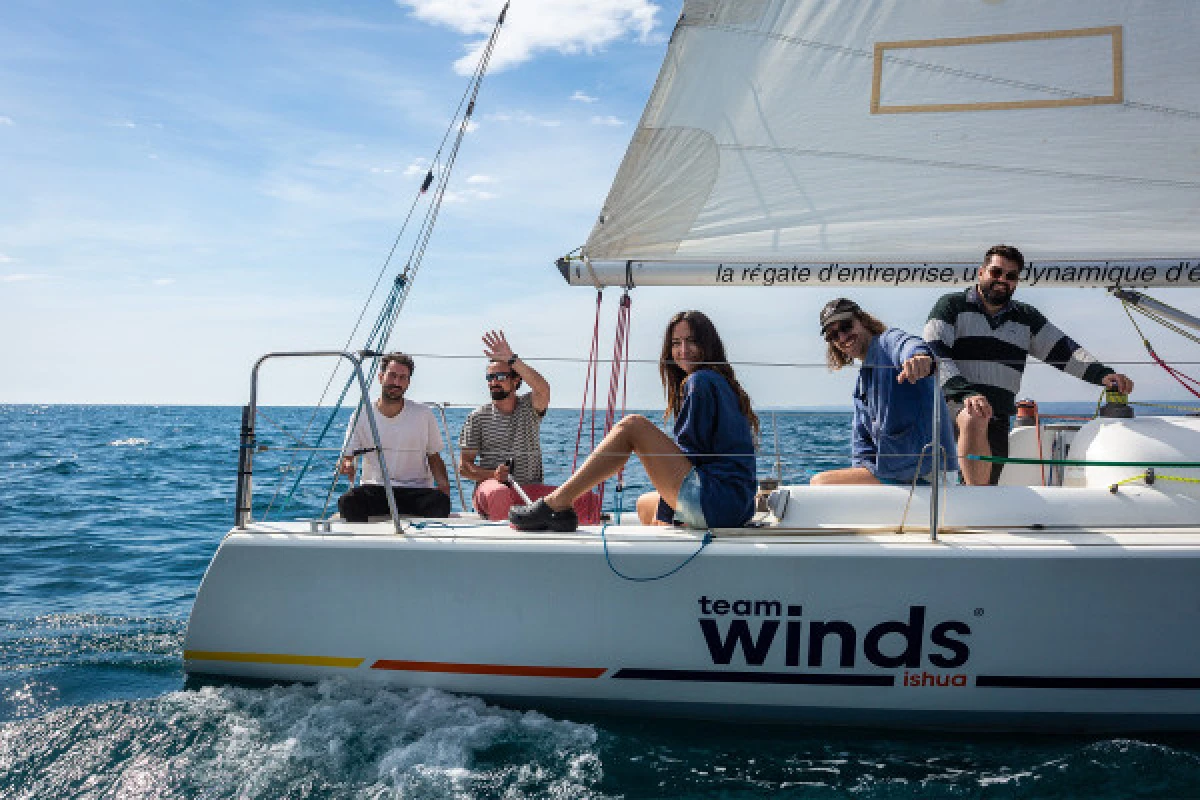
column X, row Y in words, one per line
column 541, row 517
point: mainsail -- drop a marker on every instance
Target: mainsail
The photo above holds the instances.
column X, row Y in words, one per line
column 890, row 142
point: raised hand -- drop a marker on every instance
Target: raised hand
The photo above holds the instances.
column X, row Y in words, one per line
column 496, row 347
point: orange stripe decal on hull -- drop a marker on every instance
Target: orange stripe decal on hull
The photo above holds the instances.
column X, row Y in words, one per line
column 490, row 669
column 271, row 658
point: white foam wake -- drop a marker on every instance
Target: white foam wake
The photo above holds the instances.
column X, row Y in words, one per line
column 331, row 739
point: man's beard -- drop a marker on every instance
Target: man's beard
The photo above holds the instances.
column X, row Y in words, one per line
column 498, row 393
column 393, row 394
column 995, row 292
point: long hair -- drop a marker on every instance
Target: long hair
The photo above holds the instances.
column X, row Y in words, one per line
column 835, row 358
column 712, row 354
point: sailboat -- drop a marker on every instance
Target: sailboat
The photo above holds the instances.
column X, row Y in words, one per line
column 831, row 144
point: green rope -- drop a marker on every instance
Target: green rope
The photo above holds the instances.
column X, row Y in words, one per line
column 1071, row 463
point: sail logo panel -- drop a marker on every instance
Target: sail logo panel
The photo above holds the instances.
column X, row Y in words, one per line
column 1042, row 69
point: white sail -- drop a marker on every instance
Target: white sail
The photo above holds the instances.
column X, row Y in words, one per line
column 893, row 141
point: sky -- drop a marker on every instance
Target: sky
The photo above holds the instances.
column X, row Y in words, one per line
column 189, row 185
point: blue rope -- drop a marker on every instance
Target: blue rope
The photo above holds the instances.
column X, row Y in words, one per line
column 607, row 557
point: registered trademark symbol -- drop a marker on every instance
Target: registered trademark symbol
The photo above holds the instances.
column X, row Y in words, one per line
column 979, row 612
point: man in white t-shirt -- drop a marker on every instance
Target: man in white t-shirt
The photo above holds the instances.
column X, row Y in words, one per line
column 412, row 444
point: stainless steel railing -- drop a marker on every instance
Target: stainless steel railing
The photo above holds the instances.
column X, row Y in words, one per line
column 243, row 505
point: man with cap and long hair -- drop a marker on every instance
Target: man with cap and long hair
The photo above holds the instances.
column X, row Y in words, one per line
column 893, row 399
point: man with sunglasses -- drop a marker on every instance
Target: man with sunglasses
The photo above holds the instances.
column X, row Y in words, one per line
column 509, row 427
column 893, row 399
column 982, row 338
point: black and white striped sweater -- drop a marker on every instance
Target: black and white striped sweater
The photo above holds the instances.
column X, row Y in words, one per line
column 986, row 355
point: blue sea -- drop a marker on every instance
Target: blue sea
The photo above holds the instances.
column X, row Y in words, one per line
column 108, row 518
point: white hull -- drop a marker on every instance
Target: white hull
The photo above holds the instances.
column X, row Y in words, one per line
column 1050, row 630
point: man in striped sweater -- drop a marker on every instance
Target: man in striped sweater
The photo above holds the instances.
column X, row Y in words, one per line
column 981, row 338
column 509, row 427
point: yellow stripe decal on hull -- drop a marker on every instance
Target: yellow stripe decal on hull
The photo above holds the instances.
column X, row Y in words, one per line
column 490, row 669
column 271, row 658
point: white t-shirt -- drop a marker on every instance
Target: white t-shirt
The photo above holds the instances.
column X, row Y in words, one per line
column 407, row 438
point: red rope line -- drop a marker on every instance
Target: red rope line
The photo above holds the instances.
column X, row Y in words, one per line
column 1037, row 422
column 1174, row 373
column 590, row 377
column 620, row 361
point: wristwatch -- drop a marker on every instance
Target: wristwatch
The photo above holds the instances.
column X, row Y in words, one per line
column 513, row 360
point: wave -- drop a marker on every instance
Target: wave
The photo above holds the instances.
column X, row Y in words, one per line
column 330, row 739
column 130, row 442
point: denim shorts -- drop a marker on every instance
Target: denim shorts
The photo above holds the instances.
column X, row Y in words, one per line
column 688, row 510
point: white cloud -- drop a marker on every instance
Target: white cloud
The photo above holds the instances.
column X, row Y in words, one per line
column 525, row 118
column 481, row 179
column 20, row 276
column 163, row 281
column 7, row 121
column 564, row 26
column 6, row 259
column 418, row 167
column 467, row 196
column 608, row 120
column 580, row 97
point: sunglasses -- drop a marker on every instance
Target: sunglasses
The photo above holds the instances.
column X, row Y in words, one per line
column 1008, row 275
column 835, row 331
column 497, row 376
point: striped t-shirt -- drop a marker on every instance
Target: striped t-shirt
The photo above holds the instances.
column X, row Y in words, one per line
column 497, row 437
column 981, row 354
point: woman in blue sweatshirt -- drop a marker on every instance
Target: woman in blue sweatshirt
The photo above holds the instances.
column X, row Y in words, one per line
column 893, row 399
column 705, row 476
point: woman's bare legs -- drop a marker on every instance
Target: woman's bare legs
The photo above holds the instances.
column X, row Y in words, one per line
column 849, row 475
column 665, row 463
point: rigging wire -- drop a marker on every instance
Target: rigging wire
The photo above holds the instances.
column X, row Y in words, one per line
column 402, row 285
column 1182, row 378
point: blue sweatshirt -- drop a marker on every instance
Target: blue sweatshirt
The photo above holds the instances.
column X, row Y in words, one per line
column 715, row 435
column 893, row 421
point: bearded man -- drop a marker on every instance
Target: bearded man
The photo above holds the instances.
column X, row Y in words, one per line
column 509, row 429
column 981, row 338
column 412, row 444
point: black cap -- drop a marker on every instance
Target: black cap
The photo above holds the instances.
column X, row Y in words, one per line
column 838, row 310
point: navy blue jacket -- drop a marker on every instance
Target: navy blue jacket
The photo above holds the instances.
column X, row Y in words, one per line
column 715, row 435
column 893, row 421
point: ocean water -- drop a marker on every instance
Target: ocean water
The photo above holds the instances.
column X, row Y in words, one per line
column 108, row 518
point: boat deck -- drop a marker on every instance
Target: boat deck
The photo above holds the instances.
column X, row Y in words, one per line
column 467, row 528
